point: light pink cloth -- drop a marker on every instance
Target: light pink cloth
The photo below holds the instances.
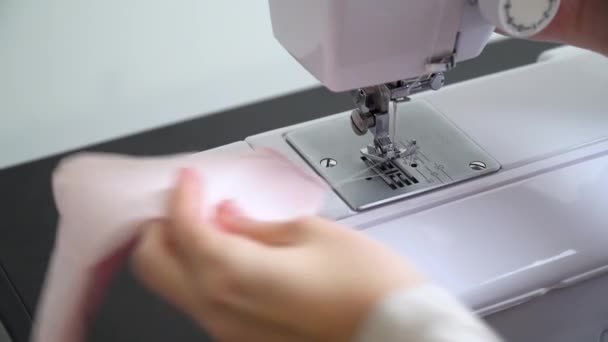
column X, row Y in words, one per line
column 103, row 199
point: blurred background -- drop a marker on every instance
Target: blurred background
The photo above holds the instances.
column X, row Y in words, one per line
column 77, row 72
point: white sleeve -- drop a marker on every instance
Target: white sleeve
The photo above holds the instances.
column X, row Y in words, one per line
column 423, row 314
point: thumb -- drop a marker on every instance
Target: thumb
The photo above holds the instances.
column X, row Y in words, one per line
column 191, row 236
column 231, row 218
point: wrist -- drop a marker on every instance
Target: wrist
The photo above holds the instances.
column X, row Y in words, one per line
column 424, row 313
column 354, row 314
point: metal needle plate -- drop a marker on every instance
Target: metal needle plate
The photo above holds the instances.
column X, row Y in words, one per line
column 441, row 155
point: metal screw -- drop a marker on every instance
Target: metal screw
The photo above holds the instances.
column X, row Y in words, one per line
column 478, row 166
column 437, row 81
column 329, row 163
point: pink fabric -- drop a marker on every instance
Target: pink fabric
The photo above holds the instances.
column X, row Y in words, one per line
column 103, row 198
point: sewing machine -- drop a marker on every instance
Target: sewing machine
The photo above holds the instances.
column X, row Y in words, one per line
column 495, row 188
column 385, row 52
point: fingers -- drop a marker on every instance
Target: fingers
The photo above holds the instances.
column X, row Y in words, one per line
column 580, row 23
column 191, row 235
column 158, row 268
column 223, row 284
column 215, row 260
column 271, row 233
column 186, row 200
column 220, row 282
column 197, row 267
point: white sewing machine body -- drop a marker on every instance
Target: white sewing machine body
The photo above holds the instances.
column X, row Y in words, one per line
column 536, row 226
column 349, row 44
column 387, row 51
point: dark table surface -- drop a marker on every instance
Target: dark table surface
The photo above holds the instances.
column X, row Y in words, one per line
column 130, row 313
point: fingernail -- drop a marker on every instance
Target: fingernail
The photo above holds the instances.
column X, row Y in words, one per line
column 233, row 209
column 187, row 173
column 229, row 211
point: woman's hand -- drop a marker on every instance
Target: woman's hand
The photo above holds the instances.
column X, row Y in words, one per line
column 582, row 23
column 244, row 280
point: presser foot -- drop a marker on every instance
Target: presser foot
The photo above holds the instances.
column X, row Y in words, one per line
column 430, row 153
column 372, row 112
column 378, row 154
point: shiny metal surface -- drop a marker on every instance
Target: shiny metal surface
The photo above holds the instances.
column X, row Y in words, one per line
column 373, row 112
column 437, row 154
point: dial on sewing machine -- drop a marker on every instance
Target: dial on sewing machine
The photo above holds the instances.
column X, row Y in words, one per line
column 385, row 51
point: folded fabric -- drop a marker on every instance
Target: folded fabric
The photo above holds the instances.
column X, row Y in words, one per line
column 103, row 199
